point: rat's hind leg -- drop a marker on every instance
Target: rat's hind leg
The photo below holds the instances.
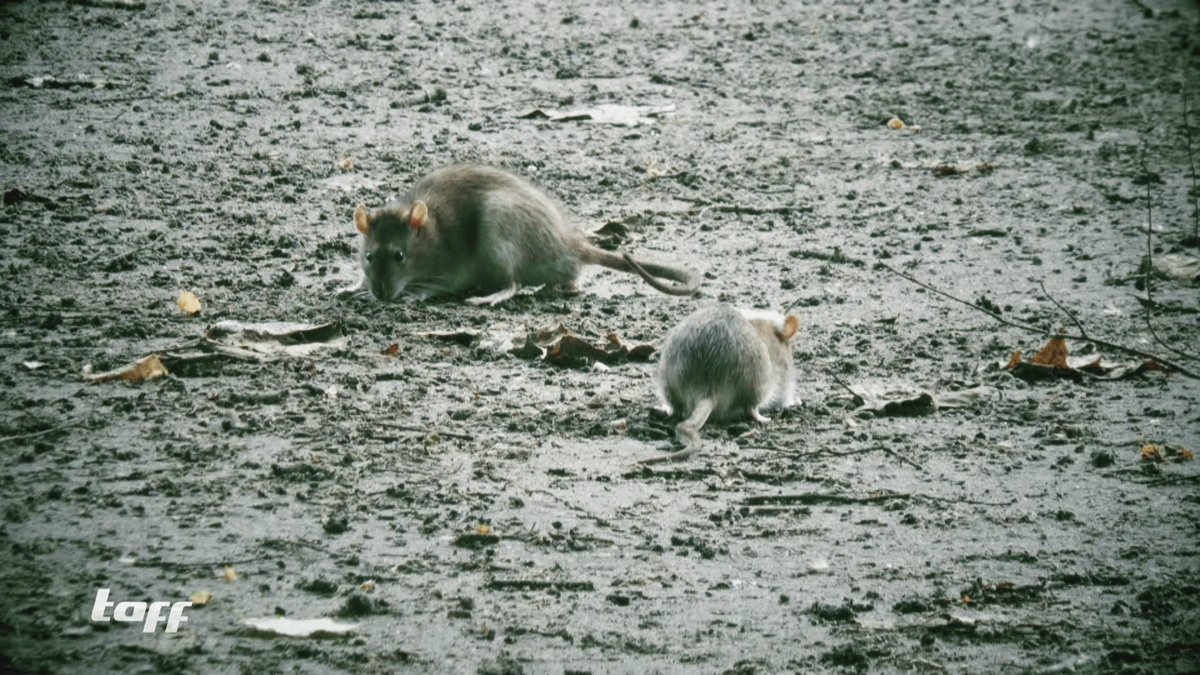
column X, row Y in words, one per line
column 495, row 298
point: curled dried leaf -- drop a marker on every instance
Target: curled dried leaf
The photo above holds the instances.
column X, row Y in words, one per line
column 1053, row 354
column 189, row 304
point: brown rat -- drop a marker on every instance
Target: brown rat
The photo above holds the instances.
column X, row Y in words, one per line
column 723, row 363
column 467, row 228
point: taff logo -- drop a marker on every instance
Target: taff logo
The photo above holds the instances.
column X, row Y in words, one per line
column 135, row 612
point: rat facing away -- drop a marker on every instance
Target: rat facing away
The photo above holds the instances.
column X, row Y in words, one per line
column 723, row 363
column 476, row 229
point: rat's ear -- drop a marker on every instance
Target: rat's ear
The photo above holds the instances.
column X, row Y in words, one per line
column 790, row 325
column 361, row 220
column 419, row 214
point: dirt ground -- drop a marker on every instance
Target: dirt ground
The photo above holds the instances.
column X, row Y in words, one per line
column 493, row 498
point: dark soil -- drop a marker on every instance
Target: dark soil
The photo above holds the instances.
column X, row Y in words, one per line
column 493, row 499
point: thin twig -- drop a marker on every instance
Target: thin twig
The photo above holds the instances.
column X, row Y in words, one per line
column 835, row 453
column 844, row 385
column 35, row 434
column 1187, row 128
column 1064, row 309
column 1103, row 343
column 1007, row 322
column 1150, row 263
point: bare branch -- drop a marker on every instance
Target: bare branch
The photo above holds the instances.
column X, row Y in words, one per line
column 1033, row 329
column 1149, row 275
column 1066, row 311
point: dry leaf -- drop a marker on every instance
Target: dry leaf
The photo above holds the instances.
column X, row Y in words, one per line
column 1053, row 354
column 484, row 528
column 895, row 123
column 1152, row 452
column 1014, row 361
column 344, row 164
column 143, row 369
column 390, row 350
column 1178, row 452
column 200, row 598
column 188, row 303
column 367, row 585
column 229, row 574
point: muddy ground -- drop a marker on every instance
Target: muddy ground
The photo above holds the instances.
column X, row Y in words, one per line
column 493, row 500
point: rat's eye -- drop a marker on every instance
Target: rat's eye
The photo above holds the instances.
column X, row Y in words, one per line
column 398, row 256
column 370, row 256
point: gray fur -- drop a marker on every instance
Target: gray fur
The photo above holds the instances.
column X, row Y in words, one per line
column 724, row 364
column 488, row 232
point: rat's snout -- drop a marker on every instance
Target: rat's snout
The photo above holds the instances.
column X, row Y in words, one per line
column 386, row 289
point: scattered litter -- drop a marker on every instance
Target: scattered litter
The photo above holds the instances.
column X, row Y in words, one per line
column 52, row 82
column 895, row 123
column 229, row 574
column 1177, row 266
column 200, row 598
column 310, row 628
column 33, row 365
column 607, row 113
column 555, row 343
column 276, row 338
column 344, row 164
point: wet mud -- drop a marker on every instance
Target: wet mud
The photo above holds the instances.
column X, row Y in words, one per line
column 472, row 509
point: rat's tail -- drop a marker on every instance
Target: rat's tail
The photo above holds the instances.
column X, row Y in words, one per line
column 653, row 273
column 687, row 431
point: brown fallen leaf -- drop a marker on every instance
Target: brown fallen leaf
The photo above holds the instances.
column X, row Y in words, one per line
column 229, row 574
column 147, row 368
column 1053, row 354
column 344, row 164
column 484, row 528
column 390, row 350
column 895, row 123
column 367, row 585
column 188, row 303
column 1178, row 452
column 200, row 598
column 1152, row 452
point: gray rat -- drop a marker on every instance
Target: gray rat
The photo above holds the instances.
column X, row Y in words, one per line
column 468, row 228
column 723, row 363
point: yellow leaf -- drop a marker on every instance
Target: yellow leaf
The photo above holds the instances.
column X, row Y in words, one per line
column 895, row 123
column 200, row 598
column 188, row 303
column 484, row 528
column 230, row 574
column 1151, row 451
column 144, row 369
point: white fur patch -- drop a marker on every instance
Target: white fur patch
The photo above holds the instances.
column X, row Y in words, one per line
column 762, row 315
